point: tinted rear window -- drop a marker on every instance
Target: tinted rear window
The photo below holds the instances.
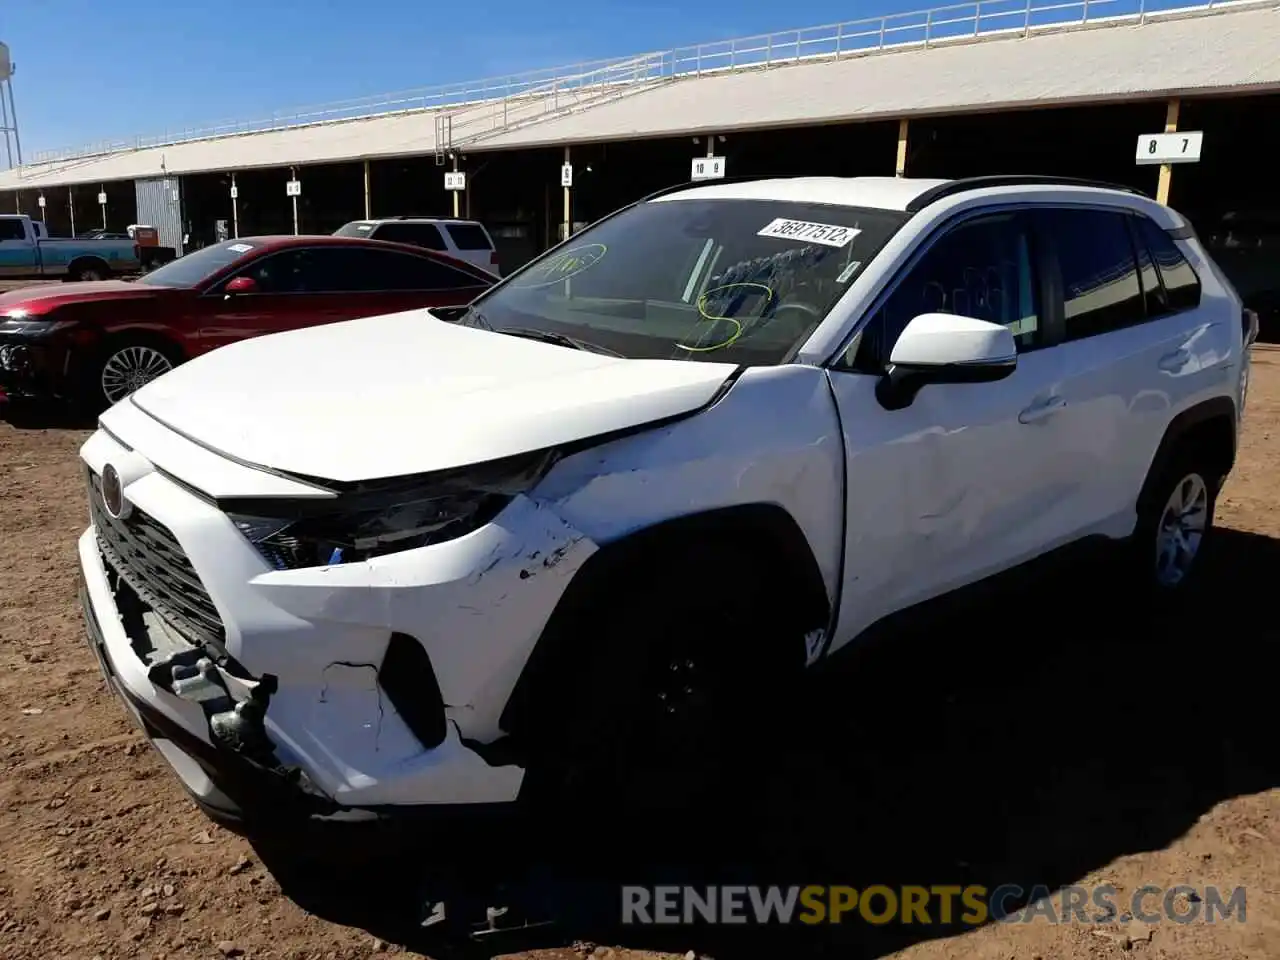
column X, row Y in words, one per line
column 469, row 236
column 1180, row 280
column 1101, row 289
column 418, row 234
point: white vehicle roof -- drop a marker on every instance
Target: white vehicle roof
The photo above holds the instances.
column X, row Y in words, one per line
column 898, row 193
column 445, row 220
column 881, row 193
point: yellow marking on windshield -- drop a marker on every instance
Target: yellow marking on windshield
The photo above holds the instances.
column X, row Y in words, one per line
column 562, row 266
column 717, row 318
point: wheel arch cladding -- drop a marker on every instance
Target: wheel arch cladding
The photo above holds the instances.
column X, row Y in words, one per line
column 88, row 261
column 764, row 536
column 140, row 337
column 1209, row 428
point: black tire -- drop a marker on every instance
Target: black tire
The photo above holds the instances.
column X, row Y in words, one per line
column 1195, row 481
column 89, row 271
column 94, row 395
column 683, row 676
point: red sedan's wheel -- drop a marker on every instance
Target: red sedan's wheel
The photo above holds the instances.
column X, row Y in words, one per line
column 126, row 367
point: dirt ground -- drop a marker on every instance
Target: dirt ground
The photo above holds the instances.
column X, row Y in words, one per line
column 1068, row 738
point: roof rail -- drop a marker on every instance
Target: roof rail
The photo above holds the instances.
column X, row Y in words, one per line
column 965, row 184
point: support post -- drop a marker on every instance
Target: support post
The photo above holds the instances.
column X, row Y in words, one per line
column 71, row 209
column 13, row 118
column 235, row 207
column 102, row 191
column 1166, row 169
column 293, row 175
column 900, row 167
column 568, row 208
column 368, row 206
column 455, row 192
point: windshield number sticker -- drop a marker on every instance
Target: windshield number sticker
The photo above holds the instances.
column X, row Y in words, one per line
column 827, row 234
column 240, row 247
column 849, row 271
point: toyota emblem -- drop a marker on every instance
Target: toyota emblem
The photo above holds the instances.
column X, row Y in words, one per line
column 113, row 493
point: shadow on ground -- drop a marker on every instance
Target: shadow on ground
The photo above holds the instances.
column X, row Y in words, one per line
column 25, row 414
column 1029, row 742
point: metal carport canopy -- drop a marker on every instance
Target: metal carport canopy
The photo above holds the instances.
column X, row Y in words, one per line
column 1231, row 48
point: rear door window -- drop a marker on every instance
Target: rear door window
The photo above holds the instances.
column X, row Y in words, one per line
column 469, row 236
column 1099, row 272
column 417, row 234
column 1181, row 285
column 388, row 270
column 343, row 269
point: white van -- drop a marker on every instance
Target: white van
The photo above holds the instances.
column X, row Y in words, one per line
column 465, row 239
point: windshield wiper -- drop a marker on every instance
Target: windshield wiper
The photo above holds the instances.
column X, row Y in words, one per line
column 559, row 339
column 473, row 318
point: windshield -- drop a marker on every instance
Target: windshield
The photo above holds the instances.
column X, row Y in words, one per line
column 356, row 228
column 190, row 270
column 739, row 281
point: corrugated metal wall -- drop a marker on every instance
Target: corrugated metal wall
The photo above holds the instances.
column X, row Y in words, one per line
column 160, row 206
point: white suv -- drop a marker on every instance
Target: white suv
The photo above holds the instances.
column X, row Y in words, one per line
column 406, row 563
column 464, row 239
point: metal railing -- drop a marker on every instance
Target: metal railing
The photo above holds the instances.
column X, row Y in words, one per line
column 503, row 96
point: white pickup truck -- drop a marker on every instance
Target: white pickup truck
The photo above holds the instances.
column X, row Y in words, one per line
column 28, row 252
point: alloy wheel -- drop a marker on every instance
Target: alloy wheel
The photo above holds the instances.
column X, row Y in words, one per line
column 130, row 369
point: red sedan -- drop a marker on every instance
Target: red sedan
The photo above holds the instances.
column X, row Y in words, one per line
column 95, row 343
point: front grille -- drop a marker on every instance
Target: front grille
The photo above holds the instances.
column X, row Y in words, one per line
column 148, row 557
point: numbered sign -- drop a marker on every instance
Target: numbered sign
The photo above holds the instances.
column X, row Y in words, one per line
column 102, row 199
column 455, row 180
column 707, row 168
column 40, row 200
column 235, row 193
column 566, row 175
column 1170, row 147
column 293, row 188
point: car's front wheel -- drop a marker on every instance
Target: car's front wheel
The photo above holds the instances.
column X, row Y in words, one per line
column 126, row 366
column 682, row 678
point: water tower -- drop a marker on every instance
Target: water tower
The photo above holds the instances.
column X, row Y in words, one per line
column 8, row 112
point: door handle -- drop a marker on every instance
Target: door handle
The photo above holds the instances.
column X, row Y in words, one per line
column 1038, row 411
column 1175, row 361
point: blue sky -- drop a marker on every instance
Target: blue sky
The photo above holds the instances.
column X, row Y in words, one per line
column 89, row 70
column 94, row 70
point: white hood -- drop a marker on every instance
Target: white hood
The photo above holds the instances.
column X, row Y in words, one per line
column 407, row 393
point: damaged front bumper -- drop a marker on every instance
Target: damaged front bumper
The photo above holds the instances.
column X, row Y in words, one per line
column 290, row 696
column 267, row 800
column 231, row 786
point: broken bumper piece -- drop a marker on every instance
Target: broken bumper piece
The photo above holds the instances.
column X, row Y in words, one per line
column 239, row 784
column 207, row 720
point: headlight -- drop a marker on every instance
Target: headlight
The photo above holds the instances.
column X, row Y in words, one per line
column 383, row 517
column 17, row 322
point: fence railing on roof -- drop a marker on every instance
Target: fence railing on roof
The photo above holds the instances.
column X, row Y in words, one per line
column 920, row 28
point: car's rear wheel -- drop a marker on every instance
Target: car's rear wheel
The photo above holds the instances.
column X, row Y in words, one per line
column 126, row 366
column 89, row 271
column 1173, row 525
